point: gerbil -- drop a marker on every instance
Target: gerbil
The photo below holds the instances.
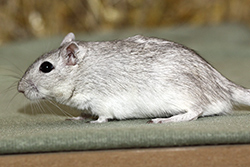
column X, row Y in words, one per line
column 138, row 77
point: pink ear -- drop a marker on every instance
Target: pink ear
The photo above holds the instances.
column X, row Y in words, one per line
column 71, row 50
column 68, row 38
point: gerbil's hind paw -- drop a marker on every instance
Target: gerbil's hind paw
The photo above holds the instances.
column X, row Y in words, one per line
column 176, row 118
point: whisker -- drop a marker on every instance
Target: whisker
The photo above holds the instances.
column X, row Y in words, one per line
column 11, row 75
column 38, row 107
column 11, row 87
column 13, row 64
column 63, row 111
column 34, row 108
column 9, row 100
column 50, row 109
column 40, row 104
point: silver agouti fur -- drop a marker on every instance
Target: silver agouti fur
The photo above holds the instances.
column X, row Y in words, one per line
column 138, row 77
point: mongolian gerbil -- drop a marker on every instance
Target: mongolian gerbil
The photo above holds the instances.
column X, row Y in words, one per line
column 138, row 77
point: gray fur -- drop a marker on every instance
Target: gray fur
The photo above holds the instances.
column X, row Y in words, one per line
column 138, row 77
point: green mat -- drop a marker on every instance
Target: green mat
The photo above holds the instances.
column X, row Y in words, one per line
column 28, row 128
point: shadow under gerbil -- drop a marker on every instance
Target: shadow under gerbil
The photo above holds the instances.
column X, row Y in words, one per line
column 51, row 108
column 241, row 108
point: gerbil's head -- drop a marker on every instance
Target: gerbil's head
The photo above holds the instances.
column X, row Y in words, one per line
column 51, row 76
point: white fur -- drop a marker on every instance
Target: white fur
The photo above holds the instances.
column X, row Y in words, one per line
column 138, row 77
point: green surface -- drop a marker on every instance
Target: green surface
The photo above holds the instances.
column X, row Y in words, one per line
column 26, row 127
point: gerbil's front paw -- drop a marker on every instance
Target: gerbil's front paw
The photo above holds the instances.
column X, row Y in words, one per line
column 75, row 118
column 159, row 121
column 83, row 116
column 100, row 120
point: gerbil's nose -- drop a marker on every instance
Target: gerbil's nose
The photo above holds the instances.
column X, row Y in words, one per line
column 19, row 87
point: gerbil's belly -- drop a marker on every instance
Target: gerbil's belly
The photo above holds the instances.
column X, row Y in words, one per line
column 123, row 107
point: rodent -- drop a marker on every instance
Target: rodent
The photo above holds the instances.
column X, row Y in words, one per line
column 137, row 77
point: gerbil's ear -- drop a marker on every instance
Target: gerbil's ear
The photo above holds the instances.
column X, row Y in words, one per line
column 71, row 51
column 68, row 38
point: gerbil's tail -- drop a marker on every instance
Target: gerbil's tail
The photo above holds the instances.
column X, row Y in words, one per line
column 240, row 95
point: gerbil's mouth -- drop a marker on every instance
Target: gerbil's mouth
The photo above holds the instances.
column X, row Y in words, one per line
column 20, row 91
column 30, row 91
column 33, row 95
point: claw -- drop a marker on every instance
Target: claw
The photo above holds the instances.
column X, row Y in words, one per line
column 75, row 118
column 150, row 122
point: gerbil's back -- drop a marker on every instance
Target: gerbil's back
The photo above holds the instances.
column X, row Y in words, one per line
column 141, row 63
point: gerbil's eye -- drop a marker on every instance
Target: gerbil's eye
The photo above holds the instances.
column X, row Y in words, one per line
column 46, row 67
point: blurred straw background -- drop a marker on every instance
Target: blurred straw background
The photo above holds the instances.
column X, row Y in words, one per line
column 23, row 19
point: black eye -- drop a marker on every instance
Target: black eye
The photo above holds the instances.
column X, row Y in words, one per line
column 46, row 67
